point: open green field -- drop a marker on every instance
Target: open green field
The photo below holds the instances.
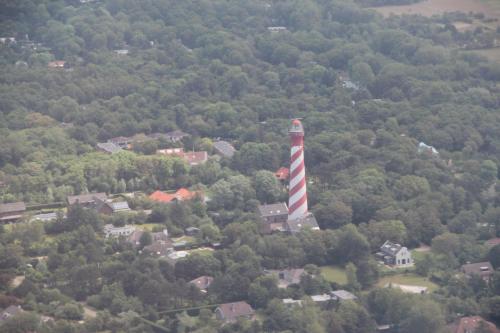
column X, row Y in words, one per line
column 148, row 226
column 491, row 54
column 334, row 274
column 407, row 279
column 436, row 7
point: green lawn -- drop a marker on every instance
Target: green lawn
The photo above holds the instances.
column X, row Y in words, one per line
column 334, row 274
column 408, row 279
column 148, row 226
column 187, row 239
column 202, row 252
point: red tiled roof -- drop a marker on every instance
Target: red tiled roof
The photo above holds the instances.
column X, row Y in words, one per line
column 282, row 173
column 195, row 157
column 184, row 194
column 231, row 311
column 161, row 196
column 203, row 282
column 493, row 242
column 470, row 324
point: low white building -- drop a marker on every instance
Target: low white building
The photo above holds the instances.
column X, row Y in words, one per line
column 112, row 231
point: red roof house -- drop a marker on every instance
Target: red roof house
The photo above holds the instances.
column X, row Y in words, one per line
column 282, row 173
column 181, row 194
column 471, row 324
column 230, row 312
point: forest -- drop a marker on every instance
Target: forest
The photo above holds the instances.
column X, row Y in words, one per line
column 402, row 143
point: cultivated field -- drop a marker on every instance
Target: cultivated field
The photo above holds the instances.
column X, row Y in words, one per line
column 491, row 8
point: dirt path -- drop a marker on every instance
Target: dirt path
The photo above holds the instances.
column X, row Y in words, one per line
column 88, row 312
column 17, row 281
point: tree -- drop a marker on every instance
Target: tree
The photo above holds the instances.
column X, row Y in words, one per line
column 352, row 279
column 494, row 256
column 354, row 318
column 145, row 239
column 408, row 187
column 352, row 245
column 267, row 187
column 424, row 316
column 21, row 323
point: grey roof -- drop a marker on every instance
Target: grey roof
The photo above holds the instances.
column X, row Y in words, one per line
column 10, row 312
column 479, row 268
column 45, row 217
column 109, row 147
column 177, row 134
column 119, row 206
column 390, row 248
column 12, row 207
column 307, row 221
column 224, row 148
column 273, row 209
column 343, row 295
column 86, row 198
column 120, row 140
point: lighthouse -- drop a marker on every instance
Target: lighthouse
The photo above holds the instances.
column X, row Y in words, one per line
column 297, row 195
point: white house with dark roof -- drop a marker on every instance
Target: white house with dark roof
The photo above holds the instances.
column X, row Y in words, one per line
column 394, row 255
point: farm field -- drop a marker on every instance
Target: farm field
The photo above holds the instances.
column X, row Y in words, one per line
column 432, row 7
column 334, row 274
column 407, row 279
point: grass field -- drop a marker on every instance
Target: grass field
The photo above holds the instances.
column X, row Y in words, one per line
column 435, row 7
column 334, row 274
column 148, row 226
column 491, row 54
column 407, row 279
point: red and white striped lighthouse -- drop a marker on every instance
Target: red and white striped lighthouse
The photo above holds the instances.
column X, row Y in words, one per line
column 297, row 201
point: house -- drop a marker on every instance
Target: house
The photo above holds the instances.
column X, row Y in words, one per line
column 224, row 148
column 181, row 194
column 108, row 147
column 7, row 40
column 160, row 236
column 121, row 141
column 290, row 302
column 112, row 231
column 195, row 157
column 160, row 248
column 191, row 158
column 9, row 312
column 394, row 255
column 426, row 149
column 57, row 64
column 323, row 298
column 176, row 136
column 287, row 277
column 308, row 221
column 482, row 269
column 171, row 151
column 121, row 52
column 493, row 242
column 11, row 212
column 273, row 217
column 231, row 312
column 276, row 29
column 202, row 282
column 135, row 237
column 87, row 200
column 342, row 295
column 109, row 207
column 471, row 324
column 282, row 174
column 176, row 255
column 44, row 217
column 192, row 231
